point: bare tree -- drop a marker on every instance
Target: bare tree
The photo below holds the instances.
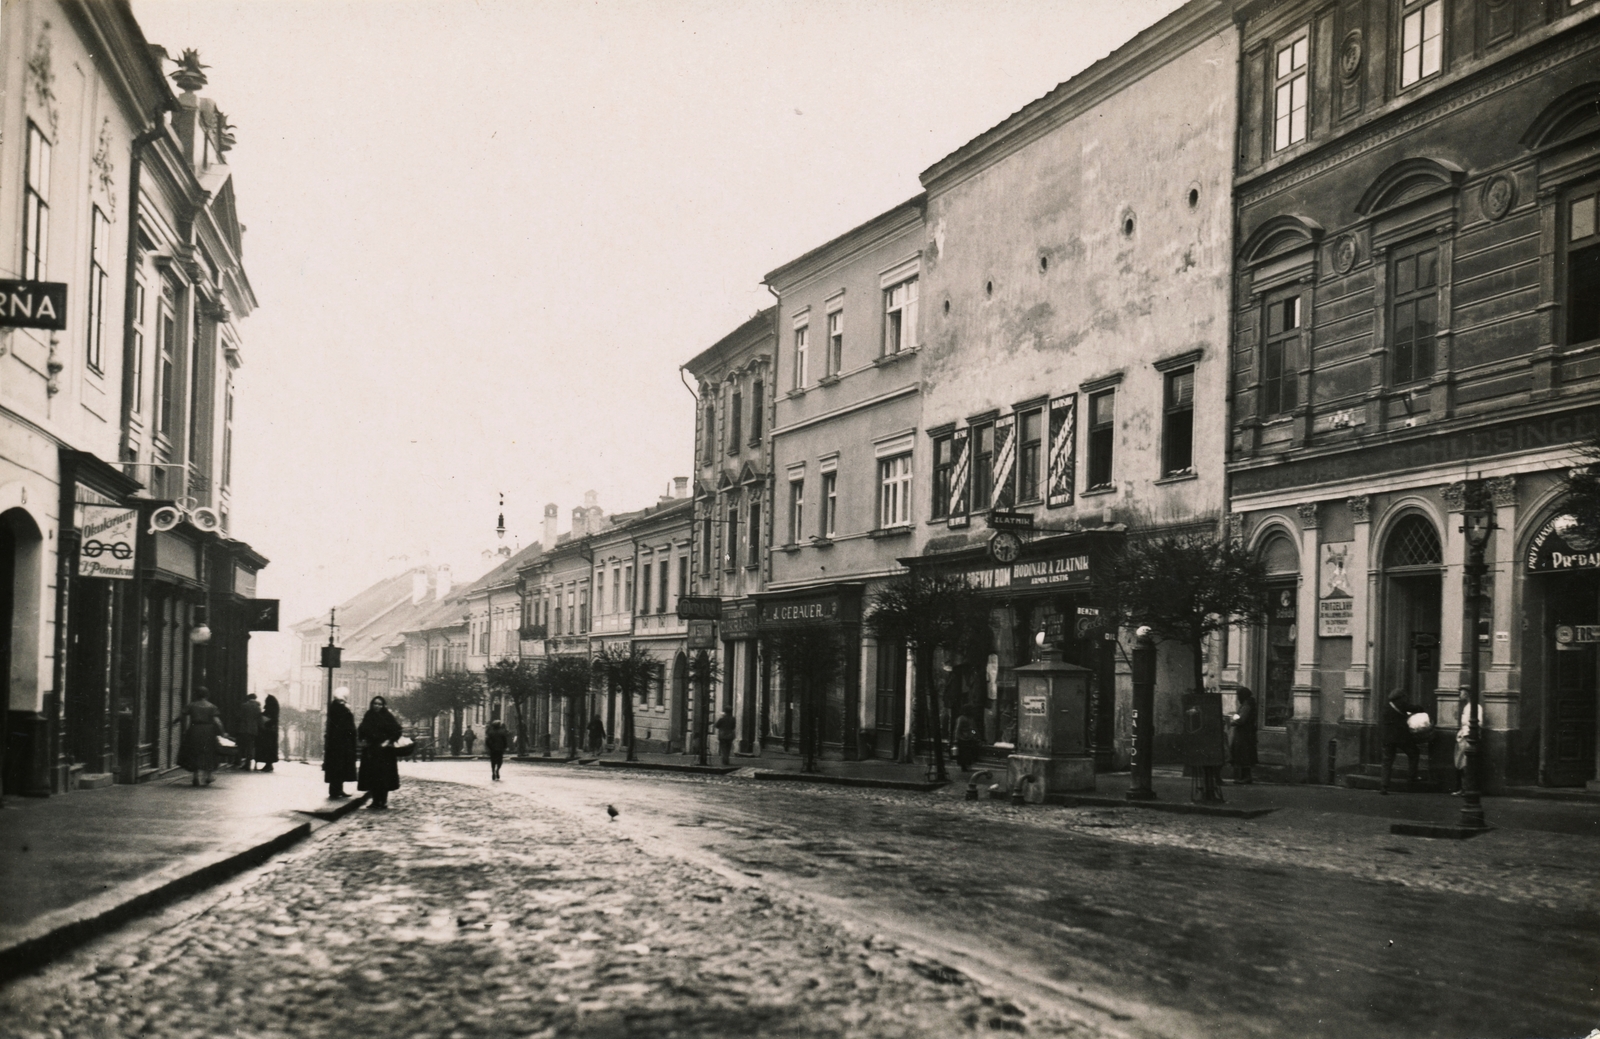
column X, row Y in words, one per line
column 448, row 692
column 518, row 681
column 568, row 678
column 630, row 672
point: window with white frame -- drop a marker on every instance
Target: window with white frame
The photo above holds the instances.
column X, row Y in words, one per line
column 730, row 545
column 227, row 434
column 1030, row 453
column 167, row 344
column 797, row 509
column 1280, row 356
column 753, row 535
column 99, row 258
column 1291, row 90
column 664, row 576
column 138, row 347
column 894, row 491
column 36, row 206
column 801, row 349
column 627, row 585
column 835, row 342
column 1421, row 40
column 830, row 503
column 900, row 317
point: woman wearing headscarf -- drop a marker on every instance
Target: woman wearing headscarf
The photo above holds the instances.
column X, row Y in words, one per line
column 380, row 772
column 198, row 751
column 267, row 739
column 339, row 744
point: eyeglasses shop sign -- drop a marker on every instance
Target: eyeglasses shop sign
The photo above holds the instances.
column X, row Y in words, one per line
column 108, row 536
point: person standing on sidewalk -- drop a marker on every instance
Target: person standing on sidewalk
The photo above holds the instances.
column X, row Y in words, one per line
column 339, row 744
column 198, row 751
column 495, row 741
column 725, row 727
column 380, row 769
column 1397, row 739
column 1243, row 752
column 469, row 738
column 966, row 737
column 597, row 735
column 1463, row 732
column 267, row 741
column 249, row 729
column 455, row 744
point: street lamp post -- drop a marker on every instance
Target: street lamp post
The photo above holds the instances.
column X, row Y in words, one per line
column 1476, row 524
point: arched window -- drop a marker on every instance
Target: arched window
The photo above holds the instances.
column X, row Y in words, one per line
column 1412, row 543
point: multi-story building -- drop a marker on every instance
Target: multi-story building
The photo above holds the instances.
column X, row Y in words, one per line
column 130, row 210
column 845, row 441
column 1417, row 325
column 737, row 385
column 494, row 618
column 556, row 588
column 1074, row 318
column 660, row 536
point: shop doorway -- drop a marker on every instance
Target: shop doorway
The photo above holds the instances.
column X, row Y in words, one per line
column 1413, row 578
column 889, row 703
column 1572, row 625
column 88, row 711
column 21, row 549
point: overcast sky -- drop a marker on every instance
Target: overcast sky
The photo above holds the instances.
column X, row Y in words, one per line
column 484, row 235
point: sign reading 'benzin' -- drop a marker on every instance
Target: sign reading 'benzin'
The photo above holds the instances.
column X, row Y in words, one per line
column 1561, row 546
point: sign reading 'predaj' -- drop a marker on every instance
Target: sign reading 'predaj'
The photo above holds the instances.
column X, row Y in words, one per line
column 108, row 536
column 1562, row 546
column 33, row 304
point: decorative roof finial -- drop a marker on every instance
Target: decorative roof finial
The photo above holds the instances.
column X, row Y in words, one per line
column 225, row 137
column 188, row 75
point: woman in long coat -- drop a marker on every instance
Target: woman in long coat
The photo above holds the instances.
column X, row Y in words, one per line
column 198, row 751
column 339, row 744
column 267, row 740
column 1243, row 752
column 379, row 771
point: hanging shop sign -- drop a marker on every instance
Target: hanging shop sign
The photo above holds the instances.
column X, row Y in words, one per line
column 702, row 634
column 699, row 607
column 33, row 304
column 108, row 536
column 261, row 615
column 1063, row 451
column 740, row 620
column 1000, row 519
column 1560, row 547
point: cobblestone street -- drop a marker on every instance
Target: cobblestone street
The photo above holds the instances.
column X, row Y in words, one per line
column 451, row 916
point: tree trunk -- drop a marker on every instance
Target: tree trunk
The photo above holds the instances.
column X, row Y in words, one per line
column 627, row 722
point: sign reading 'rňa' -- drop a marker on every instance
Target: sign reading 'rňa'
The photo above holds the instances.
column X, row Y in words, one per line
column 33, row 304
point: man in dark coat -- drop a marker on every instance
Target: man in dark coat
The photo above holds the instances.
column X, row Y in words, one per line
column 1243, row 752
column 339, row 744
column 495, row 741
column 267, row 739
column 249, row 729
column 597, row 735
column 1397, row 739
column 380, row 772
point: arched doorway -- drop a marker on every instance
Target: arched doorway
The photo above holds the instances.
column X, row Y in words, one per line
column 1413, row 574
column 679, row 712
column 1278, row 637
column 21, row 548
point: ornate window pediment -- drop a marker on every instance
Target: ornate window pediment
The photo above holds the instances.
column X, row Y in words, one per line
column 1280, row 236
column 1573, row 115
column 750, row 474
column 1408, row 181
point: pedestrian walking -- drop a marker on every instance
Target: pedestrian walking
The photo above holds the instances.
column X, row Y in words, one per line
column 380, row 769
column 966, row 737
column 267, row 739
column 1242, row 753
column 725, row 727
column 249, row 729
column 597, row 735
column 198, row 750
column 1463, row 735
column 495, row 741
column 455, row 744
column 469, row 738
column 1397, row 739
column 339, row 744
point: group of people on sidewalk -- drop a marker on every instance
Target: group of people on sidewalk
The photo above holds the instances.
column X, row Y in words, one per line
column 200, row 751
column 1405, row 728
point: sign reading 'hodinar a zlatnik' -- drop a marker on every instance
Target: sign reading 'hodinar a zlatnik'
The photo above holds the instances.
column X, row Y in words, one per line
column 33, row 304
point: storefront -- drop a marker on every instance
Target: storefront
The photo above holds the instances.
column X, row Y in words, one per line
column 1563, row 596
column 834, row 611
column 1043, row 586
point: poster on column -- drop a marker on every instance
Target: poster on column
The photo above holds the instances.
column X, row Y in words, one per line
column 1335, row 591
column 1063, row 451
column 960, row 469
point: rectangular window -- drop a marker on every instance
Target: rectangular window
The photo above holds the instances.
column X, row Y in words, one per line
column 1421, row 41
column 900, row 317
column 683, row 576
column 835, row 342
column 644, row 587
column 583, row 609
column 227, row 435
column 167, row 344
column 894, row 487
column 830, row 503
column 1415, row 315
column 753, row 537
column 138, row 347
column 1177, row 424
column 758, row 391
column 797, row 510
column 1583, row 268
column 730, row 546
column 710, row 433
column 664, row 576
column 600, row 593
column 735, row 423
column 943, row 471
column 1280, row 355
column 557, row 629
column 36, row 207
column 982, row 467
column 1291, row 92
column 1102, row 433
column 99, row 258
column 706, row 523
column 1030, row 454
column 800, row 349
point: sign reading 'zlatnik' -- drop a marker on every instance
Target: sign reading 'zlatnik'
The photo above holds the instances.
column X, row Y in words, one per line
column 33, row 304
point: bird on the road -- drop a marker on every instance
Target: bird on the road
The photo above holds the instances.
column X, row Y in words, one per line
column 612, row 811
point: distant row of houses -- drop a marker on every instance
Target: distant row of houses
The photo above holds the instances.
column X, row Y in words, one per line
column 1322, row 275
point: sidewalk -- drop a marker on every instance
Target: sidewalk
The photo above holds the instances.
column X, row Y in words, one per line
column 77, row 865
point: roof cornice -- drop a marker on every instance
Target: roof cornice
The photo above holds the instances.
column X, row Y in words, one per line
column 852, row 243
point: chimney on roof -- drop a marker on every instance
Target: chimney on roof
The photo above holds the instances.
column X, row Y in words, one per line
column 680, row 486
column 419, row 585
column 551, row 517
column 580, row 521
column 591, row 499
column 441, row 582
